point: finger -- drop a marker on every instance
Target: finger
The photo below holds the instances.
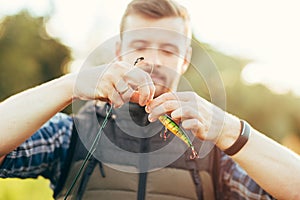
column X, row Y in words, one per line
column 145, row 93
column 134, row 97
column 121, row 86
column 124, row 90
column 136, row 77
column 152, row 91
column 115, row 98
column 126, row 96
column 150, row 83
column 166, row 107
column 161, row 99
column 141, row 82
column 186, row 112
column 197, row 128
column 103, row 90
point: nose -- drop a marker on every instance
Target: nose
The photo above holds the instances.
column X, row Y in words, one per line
column 149, row 67
column 153, row 57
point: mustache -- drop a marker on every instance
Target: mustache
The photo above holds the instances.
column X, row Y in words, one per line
column 152, row 68
column 153, row 71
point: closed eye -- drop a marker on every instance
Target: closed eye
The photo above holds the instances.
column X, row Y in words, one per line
column 169, row 49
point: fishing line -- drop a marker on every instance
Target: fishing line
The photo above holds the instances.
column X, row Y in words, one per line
column 90, row 152
column 94, row 145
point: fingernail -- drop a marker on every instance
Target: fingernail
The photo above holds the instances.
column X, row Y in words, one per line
column 147, row 109
column 150, row 118
column 141, row 103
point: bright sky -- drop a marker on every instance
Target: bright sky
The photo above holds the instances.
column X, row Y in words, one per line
column 266, row 31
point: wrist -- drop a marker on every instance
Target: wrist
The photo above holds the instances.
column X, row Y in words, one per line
column 66, row 84
column 230, row 132
column 241, row 141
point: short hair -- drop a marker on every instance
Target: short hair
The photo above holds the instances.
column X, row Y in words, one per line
column 156, row 9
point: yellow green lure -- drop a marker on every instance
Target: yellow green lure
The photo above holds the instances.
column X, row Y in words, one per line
column 176, row 130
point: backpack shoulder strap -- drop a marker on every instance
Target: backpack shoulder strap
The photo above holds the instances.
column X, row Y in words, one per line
column 206, row 171
column 210, row 177
column 216, row 166
column 208, row 191
column 66, row 167
column 85, row 177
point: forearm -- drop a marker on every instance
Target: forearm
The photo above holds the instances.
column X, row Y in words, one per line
column 274, row 167
column 24, row 113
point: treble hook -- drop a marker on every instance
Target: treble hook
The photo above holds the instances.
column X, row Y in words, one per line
column 164, row 134
column 138, row 60
column 194, row 153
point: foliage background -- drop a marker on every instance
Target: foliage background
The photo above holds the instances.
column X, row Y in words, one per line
column 28, row 57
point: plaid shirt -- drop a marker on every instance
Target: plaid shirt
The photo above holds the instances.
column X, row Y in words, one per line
column 45, row 152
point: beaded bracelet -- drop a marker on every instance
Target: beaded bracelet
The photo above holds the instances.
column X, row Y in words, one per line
column 241, row 141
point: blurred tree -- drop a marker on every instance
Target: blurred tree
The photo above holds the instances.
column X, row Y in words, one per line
column 28, row 56
column 273, row 114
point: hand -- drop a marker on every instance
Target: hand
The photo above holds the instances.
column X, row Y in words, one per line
column 117, row 83
column 205, row 120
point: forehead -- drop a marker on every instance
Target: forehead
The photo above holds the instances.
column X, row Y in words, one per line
column 167, row 30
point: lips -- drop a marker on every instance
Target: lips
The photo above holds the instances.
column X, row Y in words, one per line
column 155, row 74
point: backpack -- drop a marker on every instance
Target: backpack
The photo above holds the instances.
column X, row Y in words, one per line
column 114, row 176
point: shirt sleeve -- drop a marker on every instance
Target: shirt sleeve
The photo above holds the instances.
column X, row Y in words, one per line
column 43, row 153
column 237, row 184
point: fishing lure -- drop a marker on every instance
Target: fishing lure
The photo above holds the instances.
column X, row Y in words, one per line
column 173, row 127
column 176, row 130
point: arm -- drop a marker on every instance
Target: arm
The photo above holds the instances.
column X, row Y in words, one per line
column 275, row 168
column 271, row 165
column 27, row 111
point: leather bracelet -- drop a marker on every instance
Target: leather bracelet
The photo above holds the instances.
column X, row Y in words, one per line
column 241, row 141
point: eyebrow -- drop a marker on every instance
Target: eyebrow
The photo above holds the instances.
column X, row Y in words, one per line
column 142, row 42
column 145, row 42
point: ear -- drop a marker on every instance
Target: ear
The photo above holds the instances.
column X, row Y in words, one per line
column 118, row 50
column 187, row 59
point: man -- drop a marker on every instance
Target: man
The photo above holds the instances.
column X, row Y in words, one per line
column 123, row 165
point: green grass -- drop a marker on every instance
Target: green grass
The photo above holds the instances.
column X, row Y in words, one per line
column 31, row 189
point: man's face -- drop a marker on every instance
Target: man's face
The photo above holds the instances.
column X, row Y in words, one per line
column 163, row 44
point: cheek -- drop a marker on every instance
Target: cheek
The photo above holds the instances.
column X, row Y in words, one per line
column 171, row 76
column 176, row 67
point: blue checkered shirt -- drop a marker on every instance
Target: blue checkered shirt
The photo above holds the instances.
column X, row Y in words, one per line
column 45, row 152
